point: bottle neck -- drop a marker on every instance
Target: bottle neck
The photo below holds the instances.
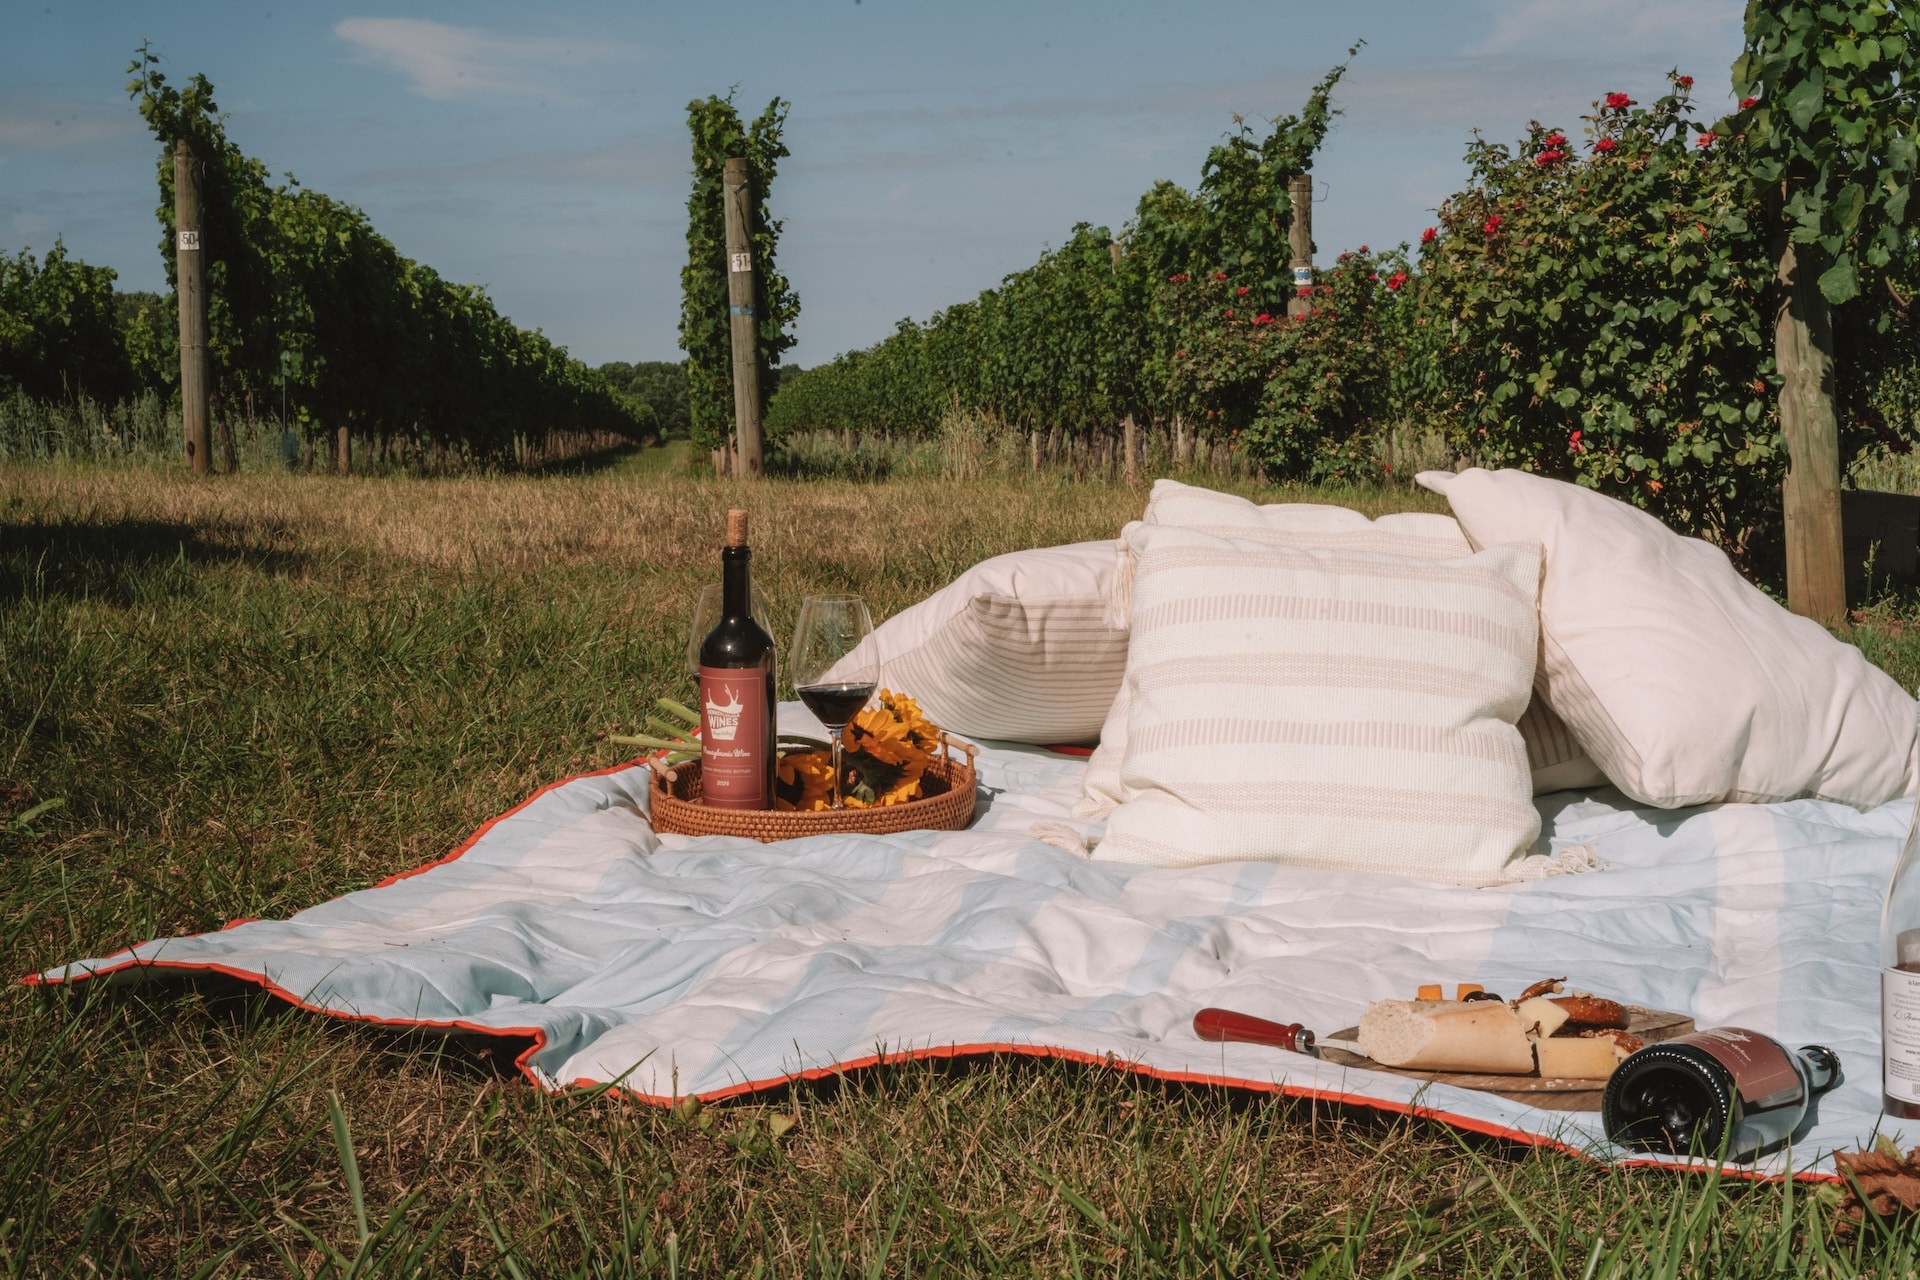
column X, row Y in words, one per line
column 1823, row 1067
column 736, row 582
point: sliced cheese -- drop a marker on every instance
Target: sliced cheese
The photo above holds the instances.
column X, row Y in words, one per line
column 1479, row 1035
column 1577, row 1057
column 1540, row 1016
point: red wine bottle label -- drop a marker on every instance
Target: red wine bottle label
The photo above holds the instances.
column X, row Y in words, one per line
column 733, row 738
column 1900, row 1033
column 1761, row 1069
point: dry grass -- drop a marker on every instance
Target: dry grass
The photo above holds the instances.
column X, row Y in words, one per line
column 250, row 695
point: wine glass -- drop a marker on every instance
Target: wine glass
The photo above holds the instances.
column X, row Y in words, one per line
column 706, row 615
column 833, row 672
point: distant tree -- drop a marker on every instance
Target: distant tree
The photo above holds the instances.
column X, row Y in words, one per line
column 59, row 336
column 659, row 384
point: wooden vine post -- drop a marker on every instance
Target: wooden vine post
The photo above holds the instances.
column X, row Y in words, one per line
column 1810, row 496
column 742, row 324
column 190, row 271
column 1300, row 241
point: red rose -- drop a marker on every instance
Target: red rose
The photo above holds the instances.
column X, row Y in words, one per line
column 1263, row 318
column 1363, row 249
column 1745, row 103
column 1705, row 140
column 1241, row 291
column 1304, row 291
column 1181, row 279
column 1573, row 442
column 1395, row 280
column 1219, row 275
column 1605, row 145
column 1554, row 140
column 1685, row 82
column 1555, row 156
column 1429, row 235
column 1619, row 101
column 1229, row 313
column 1492, row 225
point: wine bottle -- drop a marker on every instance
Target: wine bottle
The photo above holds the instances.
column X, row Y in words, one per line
column 737, row 729
column 1900, row 983
column 1722, row 1094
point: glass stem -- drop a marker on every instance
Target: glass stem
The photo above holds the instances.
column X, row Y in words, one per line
column 838, row 734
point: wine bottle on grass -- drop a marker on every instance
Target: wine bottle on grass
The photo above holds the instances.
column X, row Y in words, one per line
column 737, row 729
column 1900, row 984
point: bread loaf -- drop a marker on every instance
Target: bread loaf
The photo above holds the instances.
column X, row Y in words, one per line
column 1478, row 1035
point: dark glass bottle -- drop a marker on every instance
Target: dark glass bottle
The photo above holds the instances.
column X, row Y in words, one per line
column 737, row 667
column 1726, row 1093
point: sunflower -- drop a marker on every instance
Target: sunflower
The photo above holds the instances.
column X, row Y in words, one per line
column 878, row 733
column 924, row 732
column 803, row 780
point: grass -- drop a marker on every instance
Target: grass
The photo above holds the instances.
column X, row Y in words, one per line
column 241, row 696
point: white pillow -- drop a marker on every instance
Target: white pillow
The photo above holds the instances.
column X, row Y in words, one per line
column 1016, row 648
column 1684, row 682
column 1555, row 759
column 1326, row 707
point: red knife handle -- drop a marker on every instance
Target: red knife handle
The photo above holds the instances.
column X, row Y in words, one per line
column 1225, row 1024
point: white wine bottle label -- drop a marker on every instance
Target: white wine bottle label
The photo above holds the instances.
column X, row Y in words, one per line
column 1900, row 1033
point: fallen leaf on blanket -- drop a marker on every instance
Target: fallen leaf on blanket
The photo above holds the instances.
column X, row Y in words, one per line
column 1889, row 1183
column 780, row 1124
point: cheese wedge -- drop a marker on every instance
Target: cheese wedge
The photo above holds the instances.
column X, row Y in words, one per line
column 1540, row 1016
column 1478, row 1035
column 1577, row 1057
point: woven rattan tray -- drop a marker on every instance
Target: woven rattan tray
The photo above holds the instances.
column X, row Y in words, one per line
column 947, row 806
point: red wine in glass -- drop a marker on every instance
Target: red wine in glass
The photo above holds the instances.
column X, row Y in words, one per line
column 834, row 705
column 834, row 672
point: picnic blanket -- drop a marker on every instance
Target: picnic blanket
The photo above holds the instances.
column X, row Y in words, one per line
column 715, row 966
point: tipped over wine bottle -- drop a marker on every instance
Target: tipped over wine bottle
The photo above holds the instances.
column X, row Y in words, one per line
column 1900, row 984
column 1725, row 1094
column 737, row 729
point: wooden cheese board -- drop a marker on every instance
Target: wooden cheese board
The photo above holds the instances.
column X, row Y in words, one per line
column 1536, row 1091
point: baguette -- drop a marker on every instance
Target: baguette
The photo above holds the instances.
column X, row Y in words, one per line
column 1477, row 1035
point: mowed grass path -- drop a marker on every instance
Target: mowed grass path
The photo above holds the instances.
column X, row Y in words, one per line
column 249, row 695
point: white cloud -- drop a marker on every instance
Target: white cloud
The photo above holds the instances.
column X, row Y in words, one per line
column 447, row 62
column 1683, row 30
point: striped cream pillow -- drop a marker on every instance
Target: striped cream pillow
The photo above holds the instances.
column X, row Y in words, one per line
column 1016, row 648
column 1326, row 707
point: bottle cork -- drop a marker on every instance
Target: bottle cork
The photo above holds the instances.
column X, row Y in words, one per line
column 736, row 528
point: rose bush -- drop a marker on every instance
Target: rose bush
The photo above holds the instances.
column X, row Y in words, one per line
column 1606, row 318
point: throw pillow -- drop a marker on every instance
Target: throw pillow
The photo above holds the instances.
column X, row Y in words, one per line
column 1326, row 707
column 1682, row 680
column 1016, row 648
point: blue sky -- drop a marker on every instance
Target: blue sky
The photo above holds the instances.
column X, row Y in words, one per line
column 936, row 146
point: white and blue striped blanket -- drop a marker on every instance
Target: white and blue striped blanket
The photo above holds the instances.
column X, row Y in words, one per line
column 715, row 966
